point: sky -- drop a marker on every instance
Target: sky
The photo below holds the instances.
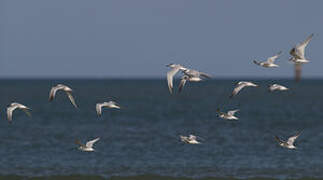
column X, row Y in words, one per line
column 137, row 38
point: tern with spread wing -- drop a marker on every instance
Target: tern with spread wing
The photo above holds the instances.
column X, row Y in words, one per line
column 240, row 86
column 170, row 74
column 191, row 139
column 270, row 62
column 277, row 87
column 193, row 76
column 13, row 106
column 229, row 115
column 289, row 144
column 110, row 104
column 298, row 52
column 298, row 56
column 88, row 146
column 64, row 88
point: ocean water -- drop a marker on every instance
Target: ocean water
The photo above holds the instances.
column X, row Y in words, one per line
column 141, row 141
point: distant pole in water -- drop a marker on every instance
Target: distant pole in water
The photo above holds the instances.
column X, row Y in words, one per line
column 298, row 72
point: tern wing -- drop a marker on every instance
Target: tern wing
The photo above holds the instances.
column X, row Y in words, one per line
column 273, row 58
column 98, row 109
column 256, row 62
column 292, row 139
column 112, row 104
column 293, row 53
column 78, row 142
column 27, row 111
column 205, row 75
column 192, row 137
column 181, row 84
column 231, row 113
column 52, row 93
column 301, row 47
column 170, row 75
column 69, row 94
column 278, row 139
column 9, row 113
column 237, row 89
column 184, row 138
column 90, row 143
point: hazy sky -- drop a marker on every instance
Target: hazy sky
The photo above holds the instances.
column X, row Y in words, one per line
column 137, row 38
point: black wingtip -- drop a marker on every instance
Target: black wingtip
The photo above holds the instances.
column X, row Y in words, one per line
column 277, row 139
column 255, row 62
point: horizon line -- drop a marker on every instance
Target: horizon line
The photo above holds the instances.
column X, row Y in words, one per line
column 153, row 78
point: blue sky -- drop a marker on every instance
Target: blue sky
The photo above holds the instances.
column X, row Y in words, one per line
column 125, row 38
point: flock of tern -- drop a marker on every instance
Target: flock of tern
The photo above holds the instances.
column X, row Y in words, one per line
column 298, row 58
column 61, row 87
column 191, row 75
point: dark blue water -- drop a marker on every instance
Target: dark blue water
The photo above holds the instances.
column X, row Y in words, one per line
column 142, row 138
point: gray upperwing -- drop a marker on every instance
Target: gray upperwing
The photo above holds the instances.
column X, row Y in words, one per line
column 273, row 58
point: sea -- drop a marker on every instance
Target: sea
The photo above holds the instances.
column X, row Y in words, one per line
column 141, row 140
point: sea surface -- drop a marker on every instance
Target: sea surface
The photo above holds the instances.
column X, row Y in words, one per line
column 141, row 141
